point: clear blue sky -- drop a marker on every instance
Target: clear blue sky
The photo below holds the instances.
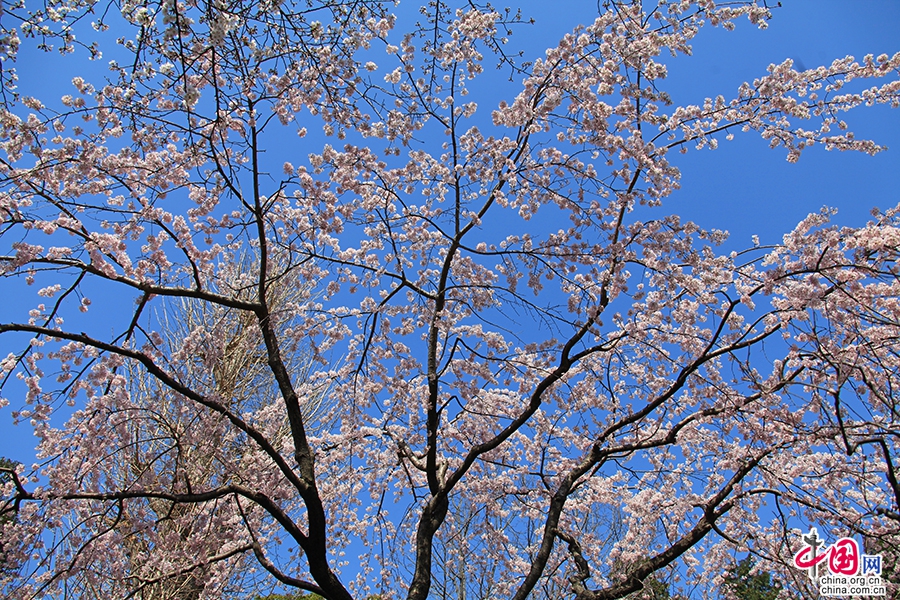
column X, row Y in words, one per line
column 744, row 187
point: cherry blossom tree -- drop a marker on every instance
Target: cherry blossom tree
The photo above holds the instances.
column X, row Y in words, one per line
column 539, row 383
column 238, row 374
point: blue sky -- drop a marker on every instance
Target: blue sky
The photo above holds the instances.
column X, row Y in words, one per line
column 746, row 188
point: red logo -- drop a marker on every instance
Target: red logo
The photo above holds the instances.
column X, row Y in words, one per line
column 843, row 556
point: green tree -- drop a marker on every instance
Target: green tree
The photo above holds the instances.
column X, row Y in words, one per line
column 742, row 583
column 653, row 586
column 654, row 589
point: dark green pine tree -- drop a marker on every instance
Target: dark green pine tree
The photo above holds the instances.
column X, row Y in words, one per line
column 654, row 589
column 740, row 584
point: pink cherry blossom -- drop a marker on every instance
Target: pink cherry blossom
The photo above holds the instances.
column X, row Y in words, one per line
column 325, row 304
